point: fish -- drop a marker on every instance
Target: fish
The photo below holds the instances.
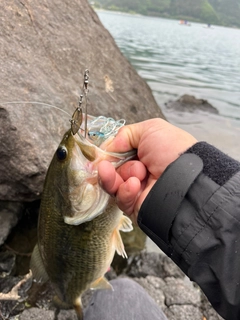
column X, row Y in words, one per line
column 79, row 223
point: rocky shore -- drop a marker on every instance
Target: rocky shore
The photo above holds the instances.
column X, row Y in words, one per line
column 45, row 48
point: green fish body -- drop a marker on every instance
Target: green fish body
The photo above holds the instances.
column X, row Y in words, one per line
column 79, row 224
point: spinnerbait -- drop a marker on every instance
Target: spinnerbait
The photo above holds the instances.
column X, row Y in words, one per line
column 98, row 129
column 77, row 116
column 102, row 127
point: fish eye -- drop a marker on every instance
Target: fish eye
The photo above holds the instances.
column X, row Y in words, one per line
column 61, row 153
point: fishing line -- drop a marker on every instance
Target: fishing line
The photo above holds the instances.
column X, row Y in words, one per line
column 36, row 102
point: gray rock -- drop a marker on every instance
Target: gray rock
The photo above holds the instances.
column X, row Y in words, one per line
column 183, row 312
column 10, row 213
column 154, row 264
column 177, row 296
column 37, row 314
column 67, row 315
column 191, row 104
column 13, row 293
column 45, row 48
column 170, row 269
column 146, row 263
column 179, row 292
column 7, row 263
column 208, row 310
column 154, row 286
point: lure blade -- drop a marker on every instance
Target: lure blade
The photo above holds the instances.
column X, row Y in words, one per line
column 76, row 120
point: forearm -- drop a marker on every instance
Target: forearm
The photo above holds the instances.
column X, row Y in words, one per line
column 193, row 214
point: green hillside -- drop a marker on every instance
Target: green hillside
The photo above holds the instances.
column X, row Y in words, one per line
column 222, row 12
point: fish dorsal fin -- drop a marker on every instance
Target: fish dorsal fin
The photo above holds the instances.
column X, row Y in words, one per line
column 37, row 267
column 101, row 283
column 125, row 224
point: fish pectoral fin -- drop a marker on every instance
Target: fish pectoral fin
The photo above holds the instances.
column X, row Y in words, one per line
column 37, row 266
column 118, row 244
column 125, row 224
column 101, row 283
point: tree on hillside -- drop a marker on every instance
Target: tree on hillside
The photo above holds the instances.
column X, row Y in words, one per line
column 228, row 11
column 209, row 11
column 199, row 9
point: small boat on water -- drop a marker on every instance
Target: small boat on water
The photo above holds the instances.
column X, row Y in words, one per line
column 208, row 26
column 184, row 23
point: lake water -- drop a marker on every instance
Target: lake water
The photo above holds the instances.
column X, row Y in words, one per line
column 176, row 60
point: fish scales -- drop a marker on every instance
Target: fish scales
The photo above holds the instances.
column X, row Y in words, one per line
column 71, row 251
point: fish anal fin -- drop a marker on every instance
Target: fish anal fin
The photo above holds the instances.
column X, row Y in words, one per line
column 78, row 308
column 101, row 283
column 37, row 266
column 125, row 224
column 118, row 244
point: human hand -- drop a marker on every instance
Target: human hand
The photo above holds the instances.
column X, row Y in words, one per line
column 158, row 143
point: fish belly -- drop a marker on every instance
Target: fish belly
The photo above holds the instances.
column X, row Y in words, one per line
column 76, row 256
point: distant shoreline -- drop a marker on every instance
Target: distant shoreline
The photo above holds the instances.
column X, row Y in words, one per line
column 178, row 18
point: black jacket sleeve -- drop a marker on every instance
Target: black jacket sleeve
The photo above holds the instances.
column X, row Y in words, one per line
column 193, row 214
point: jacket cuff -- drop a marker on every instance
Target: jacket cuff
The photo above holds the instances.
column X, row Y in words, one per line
column 218, row 166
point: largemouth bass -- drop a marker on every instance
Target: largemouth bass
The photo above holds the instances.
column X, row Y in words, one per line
column 79, row 223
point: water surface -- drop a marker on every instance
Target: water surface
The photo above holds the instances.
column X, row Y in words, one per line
column 175, row 60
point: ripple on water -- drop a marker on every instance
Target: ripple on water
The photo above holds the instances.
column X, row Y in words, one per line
column 176, row 60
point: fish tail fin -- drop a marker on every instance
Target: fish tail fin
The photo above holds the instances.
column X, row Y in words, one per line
column 78, row 308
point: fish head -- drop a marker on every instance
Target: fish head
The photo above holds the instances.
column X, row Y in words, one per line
column 78, row 196
column 73, row 173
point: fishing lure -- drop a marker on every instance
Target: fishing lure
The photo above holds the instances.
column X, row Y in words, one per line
column 102, row 128
column 98, row 129
column 77, row 116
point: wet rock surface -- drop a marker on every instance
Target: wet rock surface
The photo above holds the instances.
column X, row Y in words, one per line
column 188, row 103
column 45, row 48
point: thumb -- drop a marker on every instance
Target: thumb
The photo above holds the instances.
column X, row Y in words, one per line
column 127, row 138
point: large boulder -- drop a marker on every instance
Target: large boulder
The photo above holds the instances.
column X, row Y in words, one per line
column 188, row 103
column 45, row 48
